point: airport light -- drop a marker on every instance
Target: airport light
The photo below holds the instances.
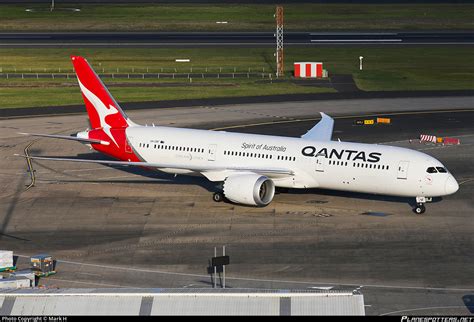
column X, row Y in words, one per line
column 360, row 59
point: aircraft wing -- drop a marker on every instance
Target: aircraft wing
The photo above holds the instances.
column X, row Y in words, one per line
column 321, row 131
column 212, row 173
column 221, row 174
column 67, row 137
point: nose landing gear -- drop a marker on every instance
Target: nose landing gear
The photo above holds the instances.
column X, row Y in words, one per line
column 420, row 205
column 419, row 209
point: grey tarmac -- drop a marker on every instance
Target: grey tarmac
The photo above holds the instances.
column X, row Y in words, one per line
column 115, row 227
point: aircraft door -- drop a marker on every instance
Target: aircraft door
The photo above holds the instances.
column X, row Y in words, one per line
column 320, row 163
column 212, row 152
column 403, row 169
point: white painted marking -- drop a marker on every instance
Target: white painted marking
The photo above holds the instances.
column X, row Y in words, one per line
column 423, row 308
column 356, row 40
column 158, row 44
column 254, row 279
column 352, row 33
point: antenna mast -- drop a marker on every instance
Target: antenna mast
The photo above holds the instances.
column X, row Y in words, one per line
column 279, row 41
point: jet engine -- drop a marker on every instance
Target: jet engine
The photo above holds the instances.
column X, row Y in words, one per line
column 249, row 189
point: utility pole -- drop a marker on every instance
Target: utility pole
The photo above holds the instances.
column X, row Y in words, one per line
column 279, row 41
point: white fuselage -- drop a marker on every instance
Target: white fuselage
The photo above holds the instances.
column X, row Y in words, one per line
column 358, row 167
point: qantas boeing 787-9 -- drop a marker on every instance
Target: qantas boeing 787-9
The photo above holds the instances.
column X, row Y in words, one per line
column 248, row 167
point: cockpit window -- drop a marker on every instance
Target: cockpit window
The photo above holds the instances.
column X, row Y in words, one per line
column 441, row 170
column 431, row 170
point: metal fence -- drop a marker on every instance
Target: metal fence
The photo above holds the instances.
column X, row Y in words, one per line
column 140, row 70
column 137, row 75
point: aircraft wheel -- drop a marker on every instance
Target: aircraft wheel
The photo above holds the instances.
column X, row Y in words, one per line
column 419, row 209
column 218, row 196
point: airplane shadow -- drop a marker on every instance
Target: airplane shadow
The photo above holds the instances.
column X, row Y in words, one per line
column 170, row 179
column 469, row 302
column 358, row 195
column 164, row 178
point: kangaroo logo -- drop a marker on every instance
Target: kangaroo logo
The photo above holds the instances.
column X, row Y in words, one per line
column 101, row 109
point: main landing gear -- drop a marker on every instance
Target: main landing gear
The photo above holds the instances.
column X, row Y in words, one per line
column 420, row 205
column 218, row 196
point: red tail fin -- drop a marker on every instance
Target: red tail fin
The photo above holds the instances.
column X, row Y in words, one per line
column 104, row 111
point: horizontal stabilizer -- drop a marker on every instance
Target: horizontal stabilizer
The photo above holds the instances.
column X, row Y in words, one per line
column 67, row 137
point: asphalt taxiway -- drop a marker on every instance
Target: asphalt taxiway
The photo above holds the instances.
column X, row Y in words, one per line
column 202, row 39
column 115, row 227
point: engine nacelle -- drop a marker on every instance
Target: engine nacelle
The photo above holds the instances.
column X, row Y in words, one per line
column 249, row 189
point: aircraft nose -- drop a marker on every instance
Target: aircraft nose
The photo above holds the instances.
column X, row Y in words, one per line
column 451, row 185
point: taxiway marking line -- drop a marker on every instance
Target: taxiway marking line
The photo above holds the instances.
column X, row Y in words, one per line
column 30, row 166
column 256, row 280
column 424, row 308
column 89, row 283
column 341, row 117
column 466, row 181
column 355, row 40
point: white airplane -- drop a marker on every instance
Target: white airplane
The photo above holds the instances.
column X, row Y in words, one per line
column 248, row 167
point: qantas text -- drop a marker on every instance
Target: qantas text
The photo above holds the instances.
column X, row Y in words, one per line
column 349, row 155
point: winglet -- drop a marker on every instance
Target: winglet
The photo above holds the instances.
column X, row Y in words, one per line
column 322, row 131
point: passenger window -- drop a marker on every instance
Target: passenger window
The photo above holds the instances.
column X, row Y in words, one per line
column 441, row 170
column 431, row 170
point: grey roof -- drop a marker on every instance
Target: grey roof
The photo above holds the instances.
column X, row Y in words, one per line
column 154, row 291
column 179, row 302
